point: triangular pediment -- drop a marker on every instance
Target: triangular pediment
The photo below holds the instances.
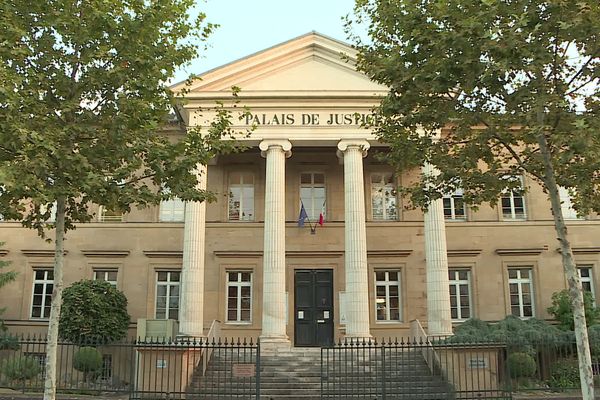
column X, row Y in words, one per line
column 308, row 64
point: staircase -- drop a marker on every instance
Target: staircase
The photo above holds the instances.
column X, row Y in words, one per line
column 296, row 375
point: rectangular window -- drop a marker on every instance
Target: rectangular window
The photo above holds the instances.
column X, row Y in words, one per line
column 513, row 201
column 239, row 296
column 312, row 194
column 171, row 210
column 566, row 204
column 241, row 196
column 454, row 206
column 109, row 276
column 387, row 295
column 106, row 215
column 383, row 197
column 460, row 293
column 167, row 294
column 43, row 285
column 587, row 279
column 520, row 285
column 40, row 359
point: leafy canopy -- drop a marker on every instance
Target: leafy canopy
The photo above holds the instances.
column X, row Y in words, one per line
column 83, row 100
column 488, row 76
column 562, row 310
column 93, row 312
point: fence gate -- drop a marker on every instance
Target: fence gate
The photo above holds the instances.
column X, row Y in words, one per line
column 405, row 369
column 197, row 369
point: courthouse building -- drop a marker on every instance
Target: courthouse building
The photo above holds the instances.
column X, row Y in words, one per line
column 363, row 263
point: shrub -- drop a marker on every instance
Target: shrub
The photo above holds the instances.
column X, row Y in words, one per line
column 564, row 374
column 87, row 360
column 562, row 311
column 93, row 312
column 521, row 365
column 20, row 369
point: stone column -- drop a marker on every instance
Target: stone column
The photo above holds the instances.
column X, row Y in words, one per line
column 191, row 312
column 274, row 301
column 439, row 322
column 355, row 244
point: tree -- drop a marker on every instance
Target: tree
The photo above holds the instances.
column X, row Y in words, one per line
column 485, row 90
column 562, row 310
column 93, row 312
column 82, row 102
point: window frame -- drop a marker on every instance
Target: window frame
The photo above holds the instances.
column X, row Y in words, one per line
column 511, row 195
column 519, row 282
column 451, row 199
column 239, row 284
column 382, row 185
column 566, row 205
column 456, row 283
column 243, row 199
column 45, row 295
column 102, row 210
column 168, row 209
column 387, row 283
column 314, row 210
column 589, row 279
column 106, row 271
column 169, row 284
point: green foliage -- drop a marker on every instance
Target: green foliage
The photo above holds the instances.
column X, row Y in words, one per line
column 562, row 310
column 521, row 365
column 93, row 312
column 87, row 360
column 20, row 369
column 564, row 374
column 509, row 84
column 519, row 335
column 85, row 113
column 8, row 342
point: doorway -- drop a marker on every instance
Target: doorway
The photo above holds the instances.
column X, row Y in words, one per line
column 313, row 307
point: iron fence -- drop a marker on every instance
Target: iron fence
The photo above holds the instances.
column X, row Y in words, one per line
column 143, row 369
column 413, row 369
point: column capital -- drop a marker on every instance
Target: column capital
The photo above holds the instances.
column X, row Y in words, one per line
column 284, row 144
column 346, row 144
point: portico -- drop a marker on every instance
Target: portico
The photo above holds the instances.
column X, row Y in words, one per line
column 302, row 95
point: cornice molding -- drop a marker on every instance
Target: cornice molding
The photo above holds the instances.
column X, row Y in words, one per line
column 238, row 254
column 40, row 253
column 531, row 251
column 313, row 254
column 163, row 253
column 105, row 253
column 3, row 252
column 388, row 253
column 464, row 253
column 583, row 250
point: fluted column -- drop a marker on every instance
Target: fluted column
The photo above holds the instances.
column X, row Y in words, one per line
column 355, row 244
column 273, row 312
column 191, row 313
column 439, row 322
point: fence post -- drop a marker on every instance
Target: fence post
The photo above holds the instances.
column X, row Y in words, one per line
column 258, row 369
column 383, row 388
column 133, row 370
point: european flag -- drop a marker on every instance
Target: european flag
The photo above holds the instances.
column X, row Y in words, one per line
column 303, row 215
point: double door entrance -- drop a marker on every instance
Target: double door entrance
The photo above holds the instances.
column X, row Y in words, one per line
column 313, row 307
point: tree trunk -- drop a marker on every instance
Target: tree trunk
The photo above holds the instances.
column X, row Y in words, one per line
column 52, row 338
column 573, row 282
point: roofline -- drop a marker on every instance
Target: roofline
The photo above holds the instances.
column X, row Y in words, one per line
column 264, row 51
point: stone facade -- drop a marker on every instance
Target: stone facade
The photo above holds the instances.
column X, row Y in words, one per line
column 241, row 270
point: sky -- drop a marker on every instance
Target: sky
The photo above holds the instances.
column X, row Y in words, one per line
column 248, row 26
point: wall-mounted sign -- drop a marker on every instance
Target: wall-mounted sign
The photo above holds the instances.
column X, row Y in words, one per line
column 161, row 363
column 243, row 370
column 308, row 119
column 478, row 363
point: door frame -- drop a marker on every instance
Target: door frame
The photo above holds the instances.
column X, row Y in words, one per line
column 299, row 267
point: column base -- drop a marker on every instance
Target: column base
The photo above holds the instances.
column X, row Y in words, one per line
column 275, row 344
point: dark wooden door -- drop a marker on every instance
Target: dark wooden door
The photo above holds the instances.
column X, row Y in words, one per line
column 313, row 307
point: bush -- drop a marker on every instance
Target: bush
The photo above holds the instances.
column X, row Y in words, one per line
column 521, row 365
column 562, row 311
column 20, row 369
column 89, row 361
column 564, row 374
column 93, row 312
